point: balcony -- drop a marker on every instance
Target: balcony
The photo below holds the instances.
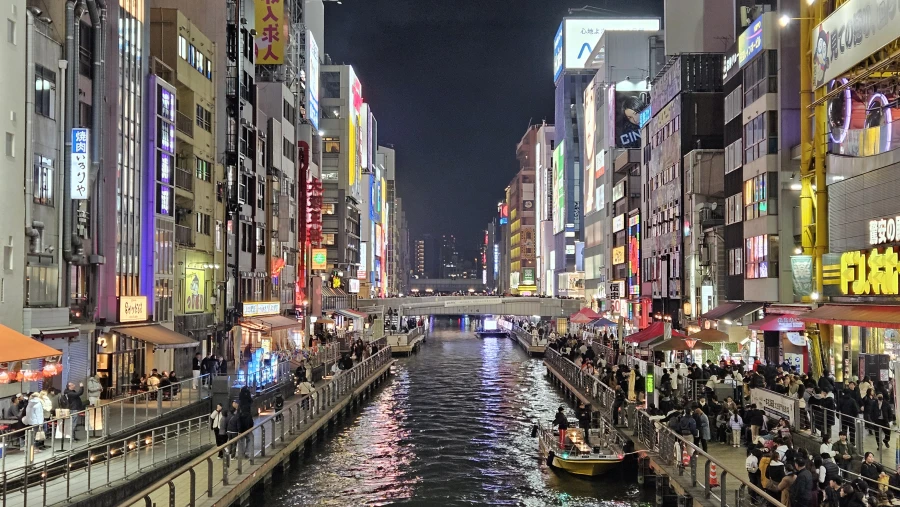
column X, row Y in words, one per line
column 184, row 179
column 184, row 124
column 184, row 236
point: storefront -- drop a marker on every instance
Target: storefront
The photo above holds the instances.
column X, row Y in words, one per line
column 262, row 327
column 136, row 347
column 784, row 337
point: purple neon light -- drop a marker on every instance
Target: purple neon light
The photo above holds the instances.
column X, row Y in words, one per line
column 847, row 111
column 887, row 118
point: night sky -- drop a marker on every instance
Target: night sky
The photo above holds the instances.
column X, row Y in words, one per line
column 453, row 85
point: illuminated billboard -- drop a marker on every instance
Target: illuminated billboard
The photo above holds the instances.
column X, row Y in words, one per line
column 354, row 139
column 312, row 80
column 629, row 105
column 577, row 37
column 589, row 159
column 271, row 32
column 559, row 190
column 634, row 256
column 363, row 139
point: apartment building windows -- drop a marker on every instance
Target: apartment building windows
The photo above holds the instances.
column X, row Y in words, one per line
column 735, row 261
column 43, row 180
column 328, row 208
column 761, row 136
column 182, row 47
column 261, row 194
column 244, row 189
column 246, row 230
column 290, row 113
column 289, row 150
column 44, row 91
column 204, row 118
column 756, row 196
column 734, row 209
column 761, row 257
column 760, row 77
column 734, row 104
column 203, row 222
column 260, row 240
column 204, row 169
column 331, row 144
column 328, row 239
column 734, row 156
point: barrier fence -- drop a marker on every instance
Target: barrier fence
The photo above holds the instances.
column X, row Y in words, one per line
column 96, row 466
column 191, row 482
column 112, row 416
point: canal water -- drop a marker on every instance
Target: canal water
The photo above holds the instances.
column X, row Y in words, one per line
column 452, row 427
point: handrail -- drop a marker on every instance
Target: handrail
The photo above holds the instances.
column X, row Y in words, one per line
column 275, row 428
column 179, row 393
column 659, row 437
column 105, row 456
column 857, row 426
column 589, row 385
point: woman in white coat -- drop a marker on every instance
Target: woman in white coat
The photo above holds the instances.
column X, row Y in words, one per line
column 34, row 416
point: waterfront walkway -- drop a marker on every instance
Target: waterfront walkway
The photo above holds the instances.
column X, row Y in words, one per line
column 209, row 481
column 112, row 417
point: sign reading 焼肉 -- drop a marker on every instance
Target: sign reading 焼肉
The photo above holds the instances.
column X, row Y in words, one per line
column 78, row 188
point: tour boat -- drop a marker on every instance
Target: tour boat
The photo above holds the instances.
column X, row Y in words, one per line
column 580, row 454
column 490, row 327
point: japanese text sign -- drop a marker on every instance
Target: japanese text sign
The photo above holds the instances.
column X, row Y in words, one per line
column 78, row 187
column 270, row 34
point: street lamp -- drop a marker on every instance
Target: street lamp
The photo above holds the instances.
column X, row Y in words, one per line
column 785, row 19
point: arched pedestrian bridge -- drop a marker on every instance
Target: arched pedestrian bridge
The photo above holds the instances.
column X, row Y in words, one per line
column 476, row 305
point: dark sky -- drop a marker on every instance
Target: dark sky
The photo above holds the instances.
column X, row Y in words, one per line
column 454, row 84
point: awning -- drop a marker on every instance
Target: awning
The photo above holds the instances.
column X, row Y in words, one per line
column 328, row 292
column 162, row 337
column 15, row 346
column 655, row 330
column 720, row 310
column 855, row 315
column 55, row 332
column 353, row 314
column 604, row 322
column 682, row 344
column 779, row 322
column 711, row 335
column 278, row 321
column 742, row 310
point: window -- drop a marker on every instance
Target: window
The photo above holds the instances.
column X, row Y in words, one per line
column 84, row 115
column 200, row 63
column 328, row 239
column 191, row 52
column 735, row 261
column 203, row 169
column 760, row 76
column 41, row 285
column 756, row 196
column 218, row 238
column 182, row 47
column 734, row 104
column 289, row 151
column 734, row 209
column 332, row 144
column 330, row 85
column 260, row 240
column 328, row 208
column 43, row 180
column 734, row 156
column 10, row 144
column 261, row 194
column 10, row 31
column 244, row 189
column 44, row 91
column 290, row 115
column 760, row 256
column 203, row 222
column 761, row 136
column 245, row 237
column 204, row 118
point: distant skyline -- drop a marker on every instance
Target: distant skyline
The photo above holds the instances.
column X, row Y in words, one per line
column 454, row 86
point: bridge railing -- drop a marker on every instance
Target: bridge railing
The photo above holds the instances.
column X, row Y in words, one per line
column 601, row 395
column 532, row 339
column 201, row 477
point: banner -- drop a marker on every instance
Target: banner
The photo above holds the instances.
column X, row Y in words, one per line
column 775, row 405
column 271, row 32
column 78, row 170
column 194, row 290
column 802, row 273
column 628, row 117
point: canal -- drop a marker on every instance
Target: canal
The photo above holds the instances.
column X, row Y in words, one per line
column 452, row 427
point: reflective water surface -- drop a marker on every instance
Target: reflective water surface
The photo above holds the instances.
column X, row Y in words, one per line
column 452, row 427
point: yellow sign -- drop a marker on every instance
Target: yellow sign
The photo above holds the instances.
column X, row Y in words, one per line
column 873, row 272
column 270, row 30
column 133, row 308
column 618, row 255
column 194, row 290
column 319, row 258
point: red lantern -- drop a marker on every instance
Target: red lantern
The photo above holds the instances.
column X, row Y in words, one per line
column 4, row 377
column 50, row 369
column 27, row 375
column 20, row 376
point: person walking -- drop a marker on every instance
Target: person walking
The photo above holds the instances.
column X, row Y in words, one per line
column 881, row 414
column 233, row 427
column 195, row 370
column 563, row 423
column 619, row 403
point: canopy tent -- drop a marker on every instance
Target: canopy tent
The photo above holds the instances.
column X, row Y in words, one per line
column 15, row 346
column 855, row 315
column 653, row 331
column 589, row 312
column 682, row 344
column 711, row 335
column 604, row 322
column 579, row 318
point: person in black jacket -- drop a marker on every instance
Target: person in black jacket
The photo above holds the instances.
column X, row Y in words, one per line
column 849, row 409
column 619, row 403
column 583, row 414
column 802, row 488
column 870, row 470
column 881, row 414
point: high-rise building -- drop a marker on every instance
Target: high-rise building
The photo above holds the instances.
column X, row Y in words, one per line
column 449, row 257
column 543, row 205
column 521, row 216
